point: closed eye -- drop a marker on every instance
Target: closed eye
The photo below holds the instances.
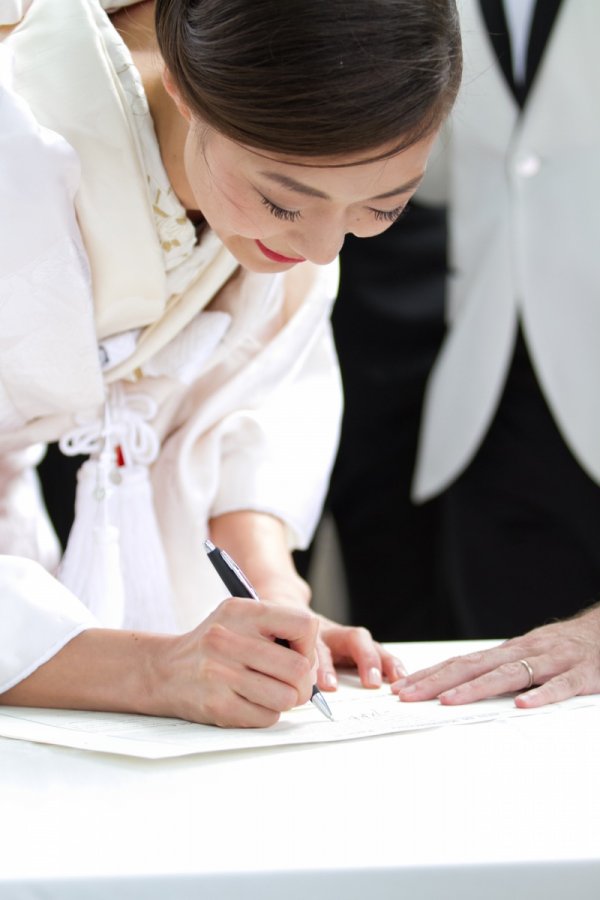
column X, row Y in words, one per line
column 389, row 215
column 288, row 215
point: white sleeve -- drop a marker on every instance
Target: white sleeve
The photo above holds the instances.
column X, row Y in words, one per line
column 38, row 175
column 276, row 457
column 45, row 284
column 38, row 616
column 12, row 11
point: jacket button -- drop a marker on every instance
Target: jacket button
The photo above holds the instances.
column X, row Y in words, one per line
column 528, row 166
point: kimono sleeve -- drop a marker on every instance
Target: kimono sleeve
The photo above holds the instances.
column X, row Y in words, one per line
column 38, row 616
column 38, row 175
column 277, row 457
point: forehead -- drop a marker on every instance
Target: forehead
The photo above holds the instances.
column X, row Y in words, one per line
column 365, row 175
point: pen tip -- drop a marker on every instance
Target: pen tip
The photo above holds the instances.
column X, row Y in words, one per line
column 209, row 546
column 320, row 702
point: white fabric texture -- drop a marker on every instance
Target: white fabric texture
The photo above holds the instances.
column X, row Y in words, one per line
column 39, row 616
column 247, row 393
column 12, row 11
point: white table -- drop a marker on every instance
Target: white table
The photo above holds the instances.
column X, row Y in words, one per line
column 507, row 809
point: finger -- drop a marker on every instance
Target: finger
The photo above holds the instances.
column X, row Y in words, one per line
column 296, row 625
column 391, row 667
column 428, row 683
column 357, row 646
column 506, row 678
column 250, row 715
column 241, row 652
column 407, row 680
column 299, row 627
column 326, row 677
column 214, row 701
column 561, row 687
column 266, row 692
column 229, row 710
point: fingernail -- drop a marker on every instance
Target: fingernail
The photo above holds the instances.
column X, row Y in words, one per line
column 409, row 689
column 374, row 677
column 330, row 680
column 399, row 683
column 526, row 697
column 448, row 695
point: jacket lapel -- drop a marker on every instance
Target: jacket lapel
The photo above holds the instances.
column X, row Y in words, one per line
column 544, row 17
column 497, row 28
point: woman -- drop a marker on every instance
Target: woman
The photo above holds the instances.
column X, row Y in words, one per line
column 226, row 148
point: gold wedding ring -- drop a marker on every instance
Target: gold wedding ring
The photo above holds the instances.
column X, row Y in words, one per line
column 529, row 671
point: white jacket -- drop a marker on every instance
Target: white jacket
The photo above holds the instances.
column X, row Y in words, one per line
column 247, row 392
column 524, row 194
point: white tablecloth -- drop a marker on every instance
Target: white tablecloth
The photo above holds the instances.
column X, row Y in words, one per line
column 507, row 809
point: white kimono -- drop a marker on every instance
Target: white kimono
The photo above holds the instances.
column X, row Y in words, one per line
column 223, row 381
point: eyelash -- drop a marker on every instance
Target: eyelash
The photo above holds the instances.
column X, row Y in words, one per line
column 288, row 215
column 389, row 215
column 291, row 215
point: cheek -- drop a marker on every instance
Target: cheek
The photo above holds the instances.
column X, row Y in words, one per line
column 239, row 212
column 250, row 219
column 366, row 225
column 220, row 197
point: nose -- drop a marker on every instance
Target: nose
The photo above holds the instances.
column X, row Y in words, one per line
column 319, row 245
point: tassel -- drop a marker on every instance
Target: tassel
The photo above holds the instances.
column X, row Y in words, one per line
column 115, row 560
column 91, row 566
column 149, row 602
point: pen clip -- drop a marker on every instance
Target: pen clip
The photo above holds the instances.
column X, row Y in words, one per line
column 239, row 574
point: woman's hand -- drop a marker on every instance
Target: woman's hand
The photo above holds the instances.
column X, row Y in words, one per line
column 344, row 645
column 258, row 544
column 336, row 644
column 230, row 672
column 564, row 659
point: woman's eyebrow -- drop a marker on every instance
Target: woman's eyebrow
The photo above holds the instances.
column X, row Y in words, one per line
column 297, row 186
column 411, row 185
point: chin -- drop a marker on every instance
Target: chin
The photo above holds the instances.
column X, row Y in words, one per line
column 267, row 266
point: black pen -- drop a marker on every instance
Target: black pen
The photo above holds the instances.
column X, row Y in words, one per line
column 236, row 582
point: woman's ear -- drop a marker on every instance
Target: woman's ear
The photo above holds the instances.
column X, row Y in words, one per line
column 173, row 92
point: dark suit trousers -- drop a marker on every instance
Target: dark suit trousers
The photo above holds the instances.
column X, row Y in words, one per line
column 388, row 325
column 521, row 526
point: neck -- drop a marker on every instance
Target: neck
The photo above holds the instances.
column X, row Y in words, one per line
column 171, row 131
column 135, row 24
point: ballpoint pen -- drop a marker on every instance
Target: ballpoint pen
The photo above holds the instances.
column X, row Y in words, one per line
column 235, row 581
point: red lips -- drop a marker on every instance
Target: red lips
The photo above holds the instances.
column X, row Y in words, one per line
column 277, row 257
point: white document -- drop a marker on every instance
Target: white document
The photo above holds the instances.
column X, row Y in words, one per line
column 357, row 713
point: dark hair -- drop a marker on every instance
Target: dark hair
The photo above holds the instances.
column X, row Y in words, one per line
column 314, row 77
